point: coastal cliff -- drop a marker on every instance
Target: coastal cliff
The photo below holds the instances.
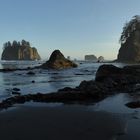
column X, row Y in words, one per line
column 19, row 51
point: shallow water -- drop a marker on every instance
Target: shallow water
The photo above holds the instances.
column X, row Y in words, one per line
column 45, row 80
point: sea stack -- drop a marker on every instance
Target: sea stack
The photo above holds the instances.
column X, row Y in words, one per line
column 58, row 61
column 101, row 59
column 19, row 51
column 90, row 57
column 130, row 42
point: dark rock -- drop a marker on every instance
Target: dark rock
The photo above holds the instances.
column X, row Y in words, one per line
column 21, row 99
column 7, row 70
column 16, row 93
column 16, row 89
column 106, row 71
column 79, row 74
column 33, row 81
column 135, row 104
column 126, row 75
column 66, row 89
column 58, row 61
column 31, row 73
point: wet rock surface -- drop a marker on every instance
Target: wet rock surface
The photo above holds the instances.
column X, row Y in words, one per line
column 30, row 73
column 135, row 104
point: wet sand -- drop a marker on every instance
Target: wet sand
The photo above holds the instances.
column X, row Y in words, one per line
column 59, row 123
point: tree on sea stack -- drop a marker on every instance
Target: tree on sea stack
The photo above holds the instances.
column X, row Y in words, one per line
column 19, row 51
column 130, row 41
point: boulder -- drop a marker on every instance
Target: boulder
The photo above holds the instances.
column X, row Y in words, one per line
column 31, row 73
column 16, row 89
column 104, row 72
column 119, row 79
column 58, row 61
column 134, row 104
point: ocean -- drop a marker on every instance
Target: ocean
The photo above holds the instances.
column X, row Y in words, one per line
column 46, row 81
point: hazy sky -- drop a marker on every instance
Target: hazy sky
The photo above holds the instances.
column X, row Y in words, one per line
column 76, row 27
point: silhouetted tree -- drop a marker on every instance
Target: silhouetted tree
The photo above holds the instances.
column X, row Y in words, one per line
column 27, row 43
column 5, row 45
column 15, row 44
column 129, row 28
column 19, row 44
column 23, row 42
column 9, row 44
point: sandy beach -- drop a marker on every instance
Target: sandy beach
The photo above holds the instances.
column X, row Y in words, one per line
column 66, row 122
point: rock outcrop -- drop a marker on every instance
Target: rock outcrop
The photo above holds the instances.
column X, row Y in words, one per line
column 90, row 58
column 130, row 42
column 19, row 51
column 58, row 61
column 100, row 59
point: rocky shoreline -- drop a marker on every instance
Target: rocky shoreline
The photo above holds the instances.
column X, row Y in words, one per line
column 109, row 80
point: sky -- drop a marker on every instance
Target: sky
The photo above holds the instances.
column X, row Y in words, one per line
column 75, row 27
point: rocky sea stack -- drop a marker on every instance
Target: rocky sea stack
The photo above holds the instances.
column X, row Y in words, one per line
column 19, row 51
column 130, row 42
column 90, row 57
column 58, row 61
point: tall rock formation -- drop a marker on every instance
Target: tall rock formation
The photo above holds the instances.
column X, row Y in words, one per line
column 58, row 61
column 101, row 59
column 90, row 57
column 130, row 42
column 19, row 51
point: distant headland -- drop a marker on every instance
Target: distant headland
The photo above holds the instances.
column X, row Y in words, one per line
column 19, row 51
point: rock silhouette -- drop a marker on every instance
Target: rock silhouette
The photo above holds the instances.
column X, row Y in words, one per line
column 130, row 42
column 90, row 58
column 19, row 51
column 58, row 61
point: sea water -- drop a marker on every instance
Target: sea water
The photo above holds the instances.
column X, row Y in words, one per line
column 45, row 81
